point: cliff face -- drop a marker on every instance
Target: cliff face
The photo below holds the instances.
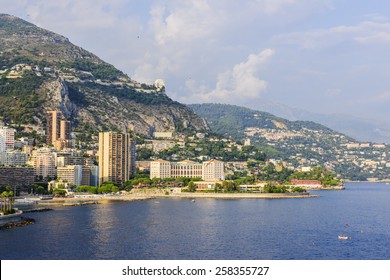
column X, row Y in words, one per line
column 41, row 70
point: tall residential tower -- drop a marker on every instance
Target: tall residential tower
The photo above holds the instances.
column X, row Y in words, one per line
column 53, row 123
column 116, row 157
column 58, row 130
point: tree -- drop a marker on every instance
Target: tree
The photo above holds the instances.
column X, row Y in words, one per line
column 59, row 192
column 217, row 187
column 8, row 199
column 191, row 186
column 40, row 190
column 3, row 196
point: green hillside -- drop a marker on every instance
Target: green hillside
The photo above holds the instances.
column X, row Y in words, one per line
column 298, row 143
column 41, row 70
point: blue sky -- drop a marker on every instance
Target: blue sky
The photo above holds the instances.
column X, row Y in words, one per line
column 320, row 55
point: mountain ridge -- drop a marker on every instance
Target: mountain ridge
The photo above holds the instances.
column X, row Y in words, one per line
column 298, row 143
column 355, row 127
column 42, row 70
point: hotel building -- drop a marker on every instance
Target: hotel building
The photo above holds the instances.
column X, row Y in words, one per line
column 212, row 170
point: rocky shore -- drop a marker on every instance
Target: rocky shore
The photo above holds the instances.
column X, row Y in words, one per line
column 21, row 223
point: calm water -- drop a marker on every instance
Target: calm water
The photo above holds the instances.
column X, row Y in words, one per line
column 212, row 229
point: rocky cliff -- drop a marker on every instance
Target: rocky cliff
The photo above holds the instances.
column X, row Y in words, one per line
column 41, row 70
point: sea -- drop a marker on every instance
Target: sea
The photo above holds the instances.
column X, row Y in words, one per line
column 212, row 229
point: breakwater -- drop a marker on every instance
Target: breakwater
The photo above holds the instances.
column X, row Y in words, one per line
column 20, row 222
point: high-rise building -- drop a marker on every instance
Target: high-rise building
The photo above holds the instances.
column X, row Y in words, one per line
column 7, row 138
column 116, row 157
column 53, row 123
column 65, row 129
column 58, row 131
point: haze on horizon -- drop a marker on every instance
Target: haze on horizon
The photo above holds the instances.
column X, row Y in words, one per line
column 324, row 56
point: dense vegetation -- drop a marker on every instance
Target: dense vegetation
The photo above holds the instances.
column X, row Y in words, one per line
column 205, row 148
column 103, row 71
column 77, row 95
column 231, row 120
column 20, row 101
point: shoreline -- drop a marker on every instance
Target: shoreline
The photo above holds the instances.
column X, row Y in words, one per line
column 95, row 199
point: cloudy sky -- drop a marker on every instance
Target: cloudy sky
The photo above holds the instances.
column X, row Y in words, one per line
column 327, row 56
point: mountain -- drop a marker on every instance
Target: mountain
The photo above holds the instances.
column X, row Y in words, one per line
column 41, row 70
column 298, row 143
column 234, row 121
column 358, row 128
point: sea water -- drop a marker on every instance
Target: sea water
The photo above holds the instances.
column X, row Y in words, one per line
column 273, row 229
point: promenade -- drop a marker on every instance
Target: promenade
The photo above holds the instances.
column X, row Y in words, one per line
column 144, row 194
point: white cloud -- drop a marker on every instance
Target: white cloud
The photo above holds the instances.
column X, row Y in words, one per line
column 239, row 84
column 194, row 45
column 188, row 21
column 367, row 32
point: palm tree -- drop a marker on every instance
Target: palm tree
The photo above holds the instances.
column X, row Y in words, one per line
column 10, row 200
column 4, row 195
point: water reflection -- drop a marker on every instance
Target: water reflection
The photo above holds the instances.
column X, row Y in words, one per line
column 211, row 229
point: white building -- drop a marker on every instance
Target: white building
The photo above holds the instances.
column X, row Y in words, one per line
column 160, row 169
column 164, row 134
column 44, row 162
column 13, row 158
column 159, row 84
column 71, row 174
column 7, row 138
column 212, row 170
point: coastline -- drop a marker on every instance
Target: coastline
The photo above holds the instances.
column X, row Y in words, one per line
column 81, row 200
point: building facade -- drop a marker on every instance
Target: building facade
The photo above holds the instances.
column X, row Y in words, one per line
column 44, row 162
column 53, row 123
column 71, row 174
column 13, row 158
column 90, row 175
column 116, row 157
column 186, row 168
column 7, row 139
column 160, row 169
column 212, row 170
column 58, row 130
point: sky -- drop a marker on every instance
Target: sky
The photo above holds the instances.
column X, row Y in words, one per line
column 324, row 56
